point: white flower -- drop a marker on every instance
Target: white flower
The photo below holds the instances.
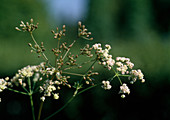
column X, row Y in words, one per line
column 3, row 84
column 36, row 77
column 143, row 80
column 51, row 88
column 56, row 96
column 106, row 85
column 105, row 54
column 140, row 74
column 104, row 57
column 137, row 74
column 42, row 98
column 119, row 64
column 123, row 96
column 124, row 89
column 108, row 46
column 96, row 46
column 130, row 64
column 110, row 62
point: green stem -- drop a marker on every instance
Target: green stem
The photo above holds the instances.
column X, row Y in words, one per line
column 17, row 91
column 112, row 78
column 117, row 75
column 32, row 107
column 73, row 73
column 31, row 100
column 88, row 70
column 29, row 84
column 42, row 53
column 124, row 75
column 87, row 89
column 73, row 67
column 40, row 109
column 68, row 50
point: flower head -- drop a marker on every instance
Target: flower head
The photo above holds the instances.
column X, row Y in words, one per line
column 3, row 84
column 103, row 55
column 124, row 89
column 106, row 85
column 56, row 96
column 137, row 74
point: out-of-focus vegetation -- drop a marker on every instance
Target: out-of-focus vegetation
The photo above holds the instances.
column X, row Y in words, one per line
column 138, row 29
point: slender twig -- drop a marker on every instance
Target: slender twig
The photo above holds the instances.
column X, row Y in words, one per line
column 113, row 78
column 88, row 70
column 73, row 67
column 117, row 75
column 76, row 74
column 68, row 50
column 42, row 53
column 87, row 89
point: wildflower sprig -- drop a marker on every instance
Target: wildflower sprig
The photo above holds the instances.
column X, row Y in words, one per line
column 83, row 32
column 47, row 78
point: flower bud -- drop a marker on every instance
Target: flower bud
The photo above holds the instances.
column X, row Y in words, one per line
column 56, row 96
column 30, row 44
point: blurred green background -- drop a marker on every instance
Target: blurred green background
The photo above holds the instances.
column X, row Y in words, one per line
column 138, row 29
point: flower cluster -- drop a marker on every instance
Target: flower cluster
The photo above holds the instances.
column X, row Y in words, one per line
column 47, row 88
column 124, row 89
column 124, row 64
column 28, row 26
column 3, row 84
column 37, row 73
column 123, row 67
column 20, row 78
column 83, row 32
column 58, row 34
column 103, row 55
column 106, row 85
column 136, row 74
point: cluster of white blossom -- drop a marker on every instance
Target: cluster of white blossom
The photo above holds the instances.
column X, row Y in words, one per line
column 3, row 84
column 123, row 67
column 124, row 89
column 106, row 85
column 36, row 73
column 136, row 74
column 47, row 88
column 103, row 55
column 124, row 64
column 20, row 77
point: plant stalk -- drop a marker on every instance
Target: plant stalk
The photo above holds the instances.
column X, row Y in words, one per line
column 42, row 53
column 31, row 100
column 40, row 109
column 32, row 107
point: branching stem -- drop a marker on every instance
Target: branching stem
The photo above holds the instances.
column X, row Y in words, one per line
column 42, row 53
